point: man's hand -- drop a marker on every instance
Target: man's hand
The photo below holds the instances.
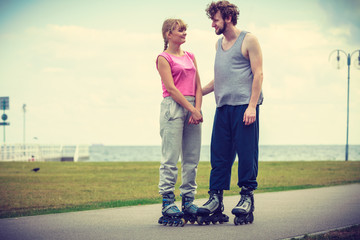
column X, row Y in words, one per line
column 249, row 115
column 196, row 117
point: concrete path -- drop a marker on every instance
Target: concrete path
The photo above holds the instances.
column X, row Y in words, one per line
column 278, row 215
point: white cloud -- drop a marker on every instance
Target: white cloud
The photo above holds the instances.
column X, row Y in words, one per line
column 342, row 32
column 53, row 70
column 99, row 84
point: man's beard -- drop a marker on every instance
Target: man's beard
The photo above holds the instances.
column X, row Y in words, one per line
column 222, row 30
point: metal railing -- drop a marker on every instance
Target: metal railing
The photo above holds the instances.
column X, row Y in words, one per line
column 36, row 152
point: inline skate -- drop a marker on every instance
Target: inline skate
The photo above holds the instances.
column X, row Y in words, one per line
column 189, row 209
column 212, row 210
column 243, row 211
column 171, row 215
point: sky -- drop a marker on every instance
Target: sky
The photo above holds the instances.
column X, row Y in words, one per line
column 86, row 69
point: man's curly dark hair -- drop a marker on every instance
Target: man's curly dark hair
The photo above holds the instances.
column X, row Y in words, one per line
column 226, row 9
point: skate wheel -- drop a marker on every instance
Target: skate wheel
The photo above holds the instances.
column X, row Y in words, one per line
column 225, row 218
column 240, row 220
column 161, row 220
column 236, row 221
column 192, row 222
column 182, row 223
column 207, row 222
column 214, row 222
column 200, row 220
column 251, row 218
column 164, row 221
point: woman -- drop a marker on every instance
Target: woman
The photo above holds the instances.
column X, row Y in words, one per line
column 180, row 123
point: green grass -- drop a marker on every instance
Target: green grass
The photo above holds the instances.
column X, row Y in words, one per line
column 350, row 233
column 68, row 186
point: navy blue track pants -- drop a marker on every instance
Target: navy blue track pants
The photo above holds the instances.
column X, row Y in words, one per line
column 230, row 136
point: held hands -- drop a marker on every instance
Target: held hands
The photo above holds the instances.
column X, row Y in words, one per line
column 196, row 117
column 249, row 116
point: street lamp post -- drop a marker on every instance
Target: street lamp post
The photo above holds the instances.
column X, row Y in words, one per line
column 24, row 138
column 339, row 63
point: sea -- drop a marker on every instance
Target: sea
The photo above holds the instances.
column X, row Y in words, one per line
column 104, row 153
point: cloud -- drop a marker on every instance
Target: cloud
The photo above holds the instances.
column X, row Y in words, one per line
column 101, row 85
column 103, row 81
column 304, row 96
column 76, row 42
column 344, row 16
column 53, row 70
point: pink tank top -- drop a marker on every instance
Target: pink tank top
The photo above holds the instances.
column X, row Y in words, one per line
column 183, row 72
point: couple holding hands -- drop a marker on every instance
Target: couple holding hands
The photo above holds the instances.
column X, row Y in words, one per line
column 237, row 84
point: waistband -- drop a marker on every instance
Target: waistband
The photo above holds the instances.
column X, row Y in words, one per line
column 189, row 98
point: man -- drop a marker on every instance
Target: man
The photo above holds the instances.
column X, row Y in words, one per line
column 237, row 87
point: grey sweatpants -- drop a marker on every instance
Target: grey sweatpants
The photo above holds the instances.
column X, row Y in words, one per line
column 178, row 138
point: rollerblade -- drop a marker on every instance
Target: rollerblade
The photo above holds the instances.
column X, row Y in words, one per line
column 171, row 215
column 189, row 209
column 243, row 211
column 212, row 210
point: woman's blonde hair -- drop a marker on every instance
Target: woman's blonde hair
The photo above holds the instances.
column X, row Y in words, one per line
column 169, row 25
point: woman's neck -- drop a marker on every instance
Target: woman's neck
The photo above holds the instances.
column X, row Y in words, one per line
column 175, row 50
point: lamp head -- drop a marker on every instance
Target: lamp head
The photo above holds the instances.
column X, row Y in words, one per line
column 337, row 60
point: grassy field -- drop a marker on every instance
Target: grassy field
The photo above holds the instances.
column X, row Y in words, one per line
column 350, row 233
column 68, row 186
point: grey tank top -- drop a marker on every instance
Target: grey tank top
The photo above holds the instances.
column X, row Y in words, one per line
column 233, row 76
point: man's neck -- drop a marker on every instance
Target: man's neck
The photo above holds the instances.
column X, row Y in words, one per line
column 231, row 33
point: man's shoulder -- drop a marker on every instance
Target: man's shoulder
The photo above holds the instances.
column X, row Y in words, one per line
column 250, row 37
column 250, row 40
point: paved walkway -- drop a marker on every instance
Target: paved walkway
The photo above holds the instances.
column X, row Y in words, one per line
column 278, row 215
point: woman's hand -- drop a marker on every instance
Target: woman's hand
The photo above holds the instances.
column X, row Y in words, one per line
column 196, row 117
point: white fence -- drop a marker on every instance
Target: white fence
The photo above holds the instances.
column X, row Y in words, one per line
column 36, row 152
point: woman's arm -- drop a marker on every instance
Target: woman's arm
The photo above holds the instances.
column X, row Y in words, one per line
column 198, row 94
column 166, row 76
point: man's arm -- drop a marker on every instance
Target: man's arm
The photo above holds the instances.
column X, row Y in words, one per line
column 255, row 57
column 208, row 88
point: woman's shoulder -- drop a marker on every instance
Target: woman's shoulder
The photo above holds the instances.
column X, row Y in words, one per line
column 165, row 55
column 190, row 54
